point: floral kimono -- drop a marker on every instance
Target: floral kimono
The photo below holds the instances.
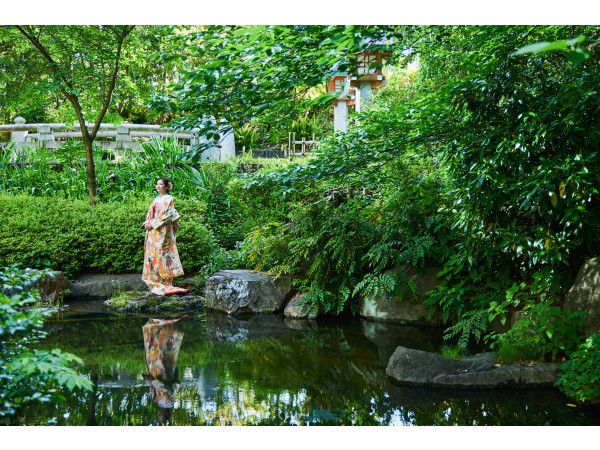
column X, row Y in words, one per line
column 161, row 259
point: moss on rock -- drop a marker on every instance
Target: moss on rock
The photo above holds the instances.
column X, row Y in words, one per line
column 148, row 302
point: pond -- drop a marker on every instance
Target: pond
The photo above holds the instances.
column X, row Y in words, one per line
column 267, row 370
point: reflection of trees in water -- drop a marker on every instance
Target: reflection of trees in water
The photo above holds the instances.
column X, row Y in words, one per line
column 333, row 375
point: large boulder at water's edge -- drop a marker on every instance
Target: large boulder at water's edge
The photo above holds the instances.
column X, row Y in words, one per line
column 246, row 291
column 51, row 287
column 419, row 368
column 584, row 295
column 403, row 309
column 296, row 309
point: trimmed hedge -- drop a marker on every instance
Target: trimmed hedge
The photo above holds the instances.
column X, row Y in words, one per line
column 71, row 236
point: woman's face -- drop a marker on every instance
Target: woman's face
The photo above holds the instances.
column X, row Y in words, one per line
column 160, row 187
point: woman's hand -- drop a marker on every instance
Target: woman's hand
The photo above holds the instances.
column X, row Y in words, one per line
column 147, row 226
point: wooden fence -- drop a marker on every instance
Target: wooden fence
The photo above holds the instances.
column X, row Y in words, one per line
column 305, row 147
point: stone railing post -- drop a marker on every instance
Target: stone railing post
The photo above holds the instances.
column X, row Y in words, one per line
column 45, row 134
column 18, row 137
column 227, row 143
column 123, row 137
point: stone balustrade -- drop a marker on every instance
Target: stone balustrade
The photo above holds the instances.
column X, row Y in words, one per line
column 50, row 135
column 126, row 136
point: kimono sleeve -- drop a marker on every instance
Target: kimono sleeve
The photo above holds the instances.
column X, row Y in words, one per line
column 165, row 213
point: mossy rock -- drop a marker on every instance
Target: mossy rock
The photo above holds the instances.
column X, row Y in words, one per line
column 149, row 302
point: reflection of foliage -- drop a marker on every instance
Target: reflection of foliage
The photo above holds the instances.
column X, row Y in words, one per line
column 29, row 376
column 329, row 376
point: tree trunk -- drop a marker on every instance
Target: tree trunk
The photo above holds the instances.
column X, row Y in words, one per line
column 90, row 168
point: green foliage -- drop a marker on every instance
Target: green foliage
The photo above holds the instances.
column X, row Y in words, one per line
column 129, row 174
column 524, row 195
column 26, row 91
column 75, row 237
column 220, row 259
column 26, row 375
column 245, row 137
column 545, row 332
column 580, row 376
column 512, row 352
column 448, row 351
column 471, row 323
column 304, row 128
column 573, row 51
column 222, row 210
column 344, row 245
column 257, row 71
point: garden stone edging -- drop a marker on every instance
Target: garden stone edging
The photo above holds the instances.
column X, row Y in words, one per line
column 419, row 368
column 102, row 286
column 296, row 310
column 246, row 291
column 584, row 295
column 403, row 310
column 50, row 288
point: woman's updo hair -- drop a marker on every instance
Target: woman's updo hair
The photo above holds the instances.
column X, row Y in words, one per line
column 166, row 182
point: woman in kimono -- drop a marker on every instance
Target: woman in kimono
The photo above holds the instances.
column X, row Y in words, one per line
column 161, row 259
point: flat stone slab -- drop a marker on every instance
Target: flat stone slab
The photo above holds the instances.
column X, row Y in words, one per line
column 147, row 302
column 418, row 368
column 101, row 286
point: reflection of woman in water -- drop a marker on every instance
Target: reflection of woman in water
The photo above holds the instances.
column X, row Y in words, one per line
column 161, row 344
column 161, row 258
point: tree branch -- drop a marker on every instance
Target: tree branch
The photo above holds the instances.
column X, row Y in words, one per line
column 72, row 97
column 53, row 65
column 113, row 81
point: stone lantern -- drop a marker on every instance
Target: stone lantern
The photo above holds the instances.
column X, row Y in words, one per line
column 359, row 85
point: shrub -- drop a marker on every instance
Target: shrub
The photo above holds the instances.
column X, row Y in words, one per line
column 545, row 332
column 71, row 236
column 580, row 376
column 510, row 352
column 345, row 246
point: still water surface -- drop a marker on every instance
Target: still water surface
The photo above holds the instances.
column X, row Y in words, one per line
column 267, row 370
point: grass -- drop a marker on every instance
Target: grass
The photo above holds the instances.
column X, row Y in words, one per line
column 509, row 353
column 451, row 351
